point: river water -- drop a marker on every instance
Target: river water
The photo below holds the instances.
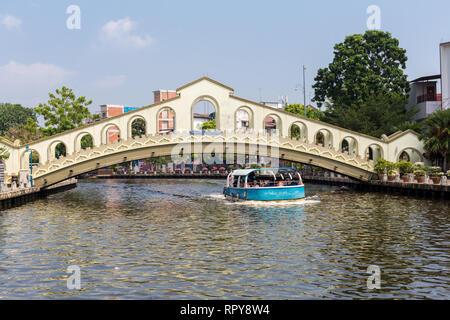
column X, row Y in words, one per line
column 179, row 239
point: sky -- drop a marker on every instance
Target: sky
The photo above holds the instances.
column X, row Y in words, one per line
column 124, row 50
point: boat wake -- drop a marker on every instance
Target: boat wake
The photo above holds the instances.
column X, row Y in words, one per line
column 281, row 203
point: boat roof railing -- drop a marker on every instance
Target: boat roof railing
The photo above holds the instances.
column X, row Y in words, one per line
column 245, row 172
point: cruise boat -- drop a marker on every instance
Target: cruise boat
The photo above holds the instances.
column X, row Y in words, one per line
column 267, row 184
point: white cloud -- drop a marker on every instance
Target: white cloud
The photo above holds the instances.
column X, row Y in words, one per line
column 10, row 22
column 30, row 84
column 111, row 81
column 120, row 33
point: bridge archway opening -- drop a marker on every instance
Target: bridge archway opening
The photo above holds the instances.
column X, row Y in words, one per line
column 349, row 145
column 25, row 159
column 272, row 124
column 298, row 131
column 323, row 138
column 244, row 119
column 374, row 152
column 166, row 120
column 83, row 141
column 60, row 150
column 410, row 154
column 204, row 115
column 111, row 133
column 138, row 127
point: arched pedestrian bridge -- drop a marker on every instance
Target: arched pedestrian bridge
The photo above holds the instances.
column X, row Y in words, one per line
column 242, row 126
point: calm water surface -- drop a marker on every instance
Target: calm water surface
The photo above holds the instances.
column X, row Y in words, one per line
column 154, row 239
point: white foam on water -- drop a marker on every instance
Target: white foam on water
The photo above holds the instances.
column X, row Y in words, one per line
column 280, row 203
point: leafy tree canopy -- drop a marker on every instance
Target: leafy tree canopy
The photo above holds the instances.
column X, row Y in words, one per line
column 4, row 154
column 210, row 125
column 363, row 66
column 376, row 116
column 299, row 109
column 64, row 111
column 13, row 116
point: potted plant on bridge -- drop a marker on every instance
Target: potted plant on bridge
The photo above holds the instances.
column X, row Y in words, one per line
column 436, row 177
column 448, row 174
column 380, row 167
column 420, row 175
column 204, row 170
column 391, row 170
column 405, row 168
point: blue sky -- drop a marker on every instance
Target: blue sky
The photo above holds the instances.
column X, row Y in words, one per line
column 126, row 49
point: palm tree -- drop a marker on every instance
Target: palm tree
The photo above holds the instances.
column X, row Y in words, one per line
column 436, row 135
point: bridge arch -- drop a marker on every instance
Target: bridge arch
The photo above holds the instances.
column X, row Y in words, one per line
column 272, row 123
column 166, row 119
column 300, row 133
column 130, row 123
column 374, row 152
column 25, row 159
column 324, row 137
column 409, row 154
column 104, row 132
column 79, row 138
column 214, row 103
column 55, row 147
column 349, row 145
column 244, row 119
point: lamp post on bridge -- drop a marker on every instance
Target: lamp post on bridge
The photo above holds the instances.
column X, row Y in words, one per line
column 31, row 164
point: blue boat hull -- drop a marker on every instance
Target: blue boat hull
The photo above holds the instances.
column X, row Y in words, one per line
column 266, row 193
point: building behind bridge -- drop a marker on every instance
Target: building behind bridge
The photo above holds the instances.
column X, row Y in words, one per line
column 425, row 95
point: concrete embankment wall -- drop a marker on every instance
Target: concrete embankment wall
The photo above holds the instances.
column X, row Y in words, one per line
column 20, row 197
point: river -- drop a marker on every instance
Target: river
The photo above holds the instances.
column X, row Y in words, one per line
column 179, row 239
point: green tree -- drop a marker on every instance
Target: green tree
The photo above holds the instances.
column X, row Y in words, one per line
column 87, row 142
column 64, row 111
column 363, row 66
column 14, row 115
column 299, row 109
column 138, row 128
column 25, row 133
column 436, row 135
column 210, row 125
column 4, row 154
column 378, row 115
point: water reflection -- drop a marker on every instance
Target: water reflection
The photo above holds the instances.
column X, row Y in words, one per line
column 179, row 240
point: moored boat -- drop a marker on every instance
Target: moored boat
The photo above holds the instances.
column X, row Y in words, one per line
column 267, row 184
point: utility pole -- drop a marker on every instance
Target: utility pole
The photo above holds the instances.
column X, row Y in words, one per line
column 304, row 90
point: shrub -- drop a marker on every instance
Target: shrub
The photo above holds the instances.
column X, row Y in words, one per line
column 448, row 173
column 434, row 169
column 437, row 174
column 383, row 164
column 420, row 173
column 405, row 167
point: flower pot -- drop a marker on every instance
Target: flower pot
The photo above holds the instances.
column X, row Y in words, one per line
column 380, row 176
column 391, row 177
column 420, row 179
column 436, row 180
column 405, row 178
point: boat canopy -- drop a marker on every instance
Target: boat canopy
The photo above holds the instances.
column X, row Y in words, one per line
column 246, row 172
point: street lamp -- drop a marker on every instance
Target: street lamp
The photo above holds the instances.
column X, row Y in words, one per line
column 31, row 164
